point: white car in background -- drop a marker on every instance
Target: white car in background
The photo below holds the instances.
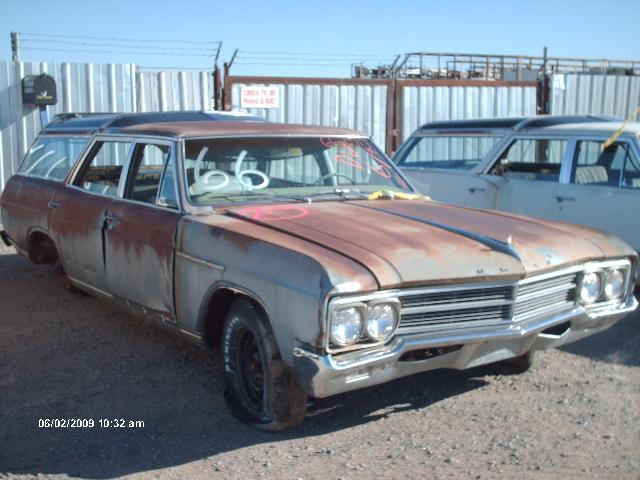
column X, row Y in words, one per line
column 554, row 167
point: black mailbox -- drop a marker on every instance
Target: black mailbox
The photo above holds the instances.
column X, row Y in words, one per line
column 39, row 90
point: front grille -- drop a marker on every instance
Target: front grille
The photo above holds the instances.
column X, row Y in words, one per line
column 542, row 298
column 491, row 305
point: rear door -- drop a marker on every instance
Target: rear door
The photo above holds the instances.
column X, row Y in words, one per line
column 26, row 197
column 604, row 188
column 78, row 211
column 140, row 230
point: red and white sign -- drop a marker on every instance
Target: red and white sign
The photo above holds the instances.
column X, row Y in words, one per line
column 259, row 97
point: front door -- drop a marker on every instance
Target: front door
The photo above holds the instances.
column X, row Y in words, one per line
column 530, row 169
column 77, row 213
column 140, row 232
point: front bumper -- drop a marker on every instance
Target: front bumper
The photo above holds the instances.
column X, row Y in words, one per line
column 325, row 375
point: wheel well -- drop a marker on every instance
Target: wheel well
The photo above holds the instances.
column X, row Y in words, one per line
column 216, row 310
column 42, row 249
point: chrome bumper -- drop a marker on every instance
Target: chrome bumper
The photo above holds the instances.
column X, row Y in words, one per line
column 325, row 375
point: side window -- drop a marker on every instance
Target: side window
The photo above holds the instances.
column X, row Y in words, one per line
column 456, row 152
column 52, row 157
column 102, row 173
column 631, row 175
column 168, row 197
column 146, row 172
column 532, row 159
column 595, row 165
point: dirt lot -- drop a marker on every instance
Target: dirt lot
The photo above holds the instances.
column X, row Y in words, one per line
column 576, row 415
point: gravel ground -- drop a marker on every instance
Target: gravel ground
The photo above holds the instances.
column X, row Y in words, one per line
column 575, row 415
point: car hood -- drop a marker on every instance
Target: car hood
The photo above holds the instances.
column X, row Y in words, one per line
column 410, row 242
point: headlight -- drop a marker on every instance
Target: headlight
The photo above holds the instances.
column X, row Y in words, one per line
column 614, row 283
column 382, row 319
column 590, row 287
column 346, row 326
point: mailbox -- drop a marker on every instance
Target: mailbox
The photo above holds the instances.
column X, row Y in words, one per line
column 39, row 90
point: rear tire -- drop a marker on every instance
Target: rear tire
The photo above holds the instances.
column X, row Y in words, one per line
column 261, row 391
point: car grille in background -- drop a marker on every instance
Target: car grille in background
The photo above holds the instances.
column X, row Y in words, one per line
column 442, row 309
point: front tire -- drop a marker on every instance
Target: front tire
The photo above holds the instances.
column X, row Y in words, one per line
column 517, row 365
column 261, row 390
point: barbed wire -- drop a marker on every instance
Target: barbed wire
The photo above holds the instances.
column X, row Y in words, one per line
column 111, row 45
column 135, row 52
column 316, row 54
column 115, row 39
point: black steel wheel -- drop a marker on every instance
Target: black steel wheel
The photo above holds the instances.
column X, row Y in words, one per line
column 261, row 390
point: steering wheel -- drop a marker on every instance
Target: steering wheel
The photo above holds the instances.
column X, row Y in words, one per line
column 333, row 174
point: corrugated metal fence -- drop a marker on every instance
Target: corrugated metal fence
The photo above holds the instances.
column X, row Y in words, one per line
column 347, row 103
column 386, row 109
column 616, row 95
column 91, row 88
column 430, row 101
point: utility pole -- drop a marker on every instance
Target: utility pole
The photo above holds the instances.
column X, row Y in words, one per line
column 15, row 46
column 545, row 87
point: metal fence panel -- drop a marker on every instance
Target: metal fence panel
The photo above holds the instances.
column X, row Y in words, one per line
column 616, row 95
column 347, row 105
column 171, row 90
column 423, row 103
column 91, row 88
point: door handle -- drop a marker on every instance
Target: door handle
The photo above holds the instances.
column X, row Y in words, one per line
column 477, row 189
column 561, row 199
column 53, row 204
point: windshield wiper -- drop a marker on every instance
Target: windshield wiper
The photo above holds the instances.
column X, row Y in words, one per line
column 343, row 193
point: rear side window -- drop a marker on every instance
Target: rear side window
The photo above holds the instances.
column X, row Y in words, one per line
column 104, row 168
column 532, row 159
column 457, row 152
column 52, row 157
column 595, row 165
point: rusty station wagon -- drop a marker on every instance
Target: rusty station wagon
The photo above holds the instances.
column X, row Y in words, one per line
column 303, row 252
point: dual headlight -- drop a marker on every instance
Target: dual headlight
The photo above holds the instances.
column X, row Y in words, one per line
column 373, row 322
column 603, row 284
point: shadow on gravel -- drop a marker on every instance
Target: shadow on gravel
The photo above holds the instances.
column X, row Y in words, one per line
column 64, row 356
column 618, row 344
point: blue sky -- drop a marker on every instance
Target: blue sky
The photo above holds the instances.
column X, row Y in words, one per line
column 371, row 31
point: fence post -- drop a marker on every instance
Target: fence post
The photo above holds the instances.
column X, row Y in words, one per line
column 15, row 46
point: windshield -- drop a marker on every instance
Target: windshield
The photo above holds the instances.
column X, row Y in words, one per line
column 237, row 169
column 459, row 152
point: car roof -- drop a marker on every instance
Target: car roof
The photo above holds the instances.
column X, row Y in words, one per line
column 606, row 128
column 181, row 124
column 512, row 123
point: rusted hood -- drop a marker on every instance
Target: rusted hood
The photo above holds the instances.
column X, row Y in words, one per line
column 407, row 243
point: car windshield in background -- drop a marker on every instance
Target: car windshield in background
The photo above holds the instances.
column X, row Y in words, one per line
column 459, row 152
column 234, row 169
